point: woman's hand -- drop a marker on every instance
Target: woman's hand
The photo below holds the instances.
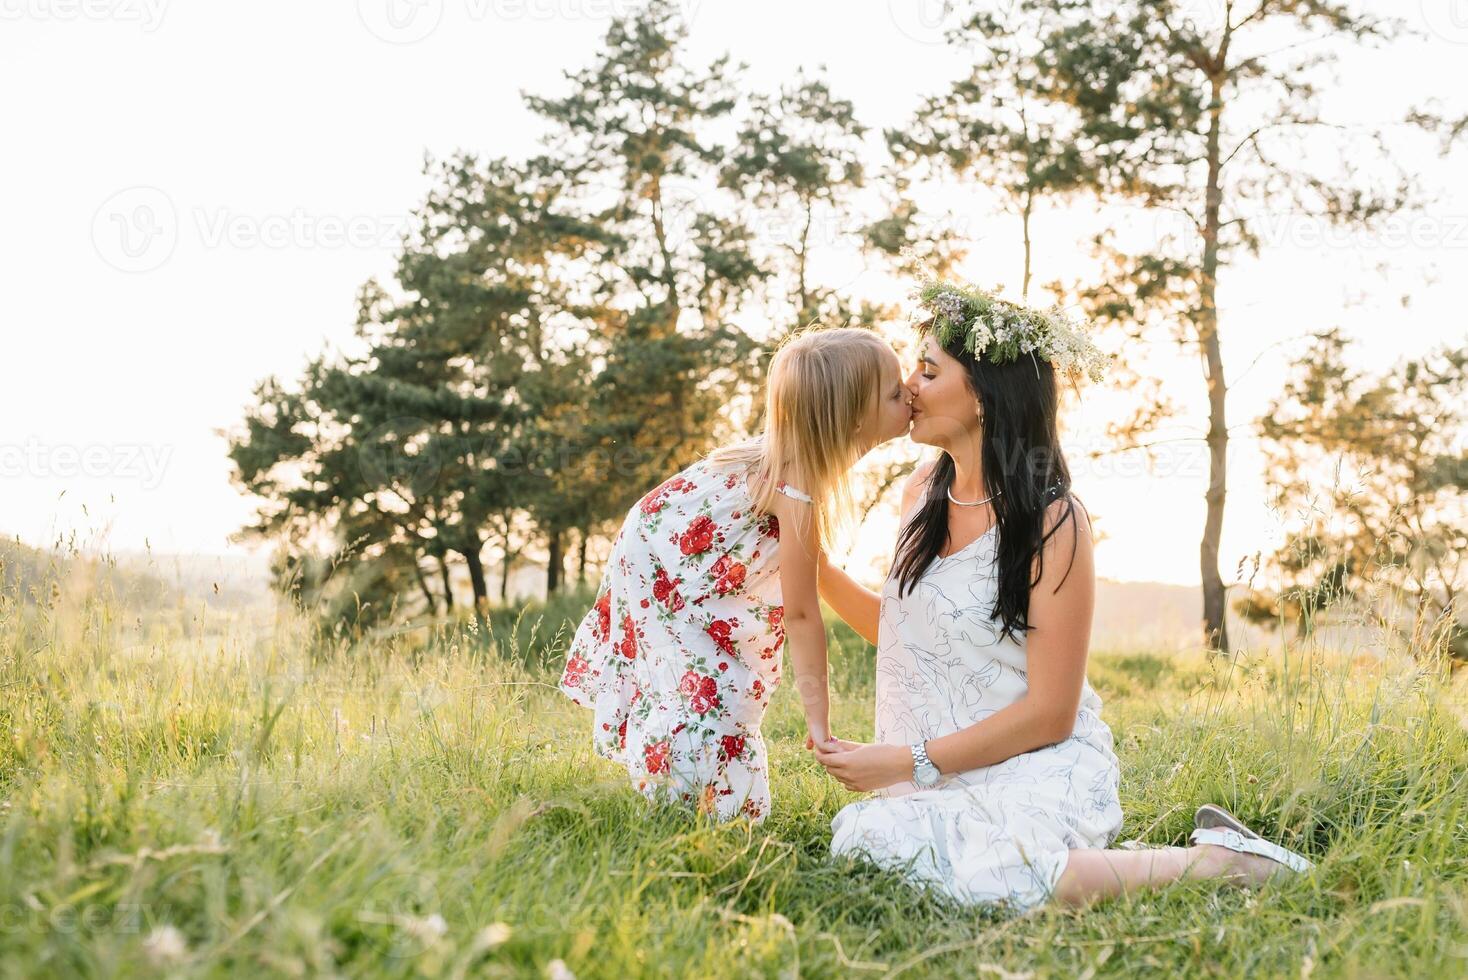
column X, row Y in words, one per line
column 863, row 767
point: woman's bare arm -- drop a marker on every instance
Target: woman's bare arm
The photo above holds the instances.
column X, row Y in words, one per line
column 1056, row 646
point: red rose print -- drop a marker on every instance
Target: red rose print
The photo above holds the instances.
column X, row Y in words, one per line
column 706, row 698
column 655, row 756
column 719, row 631
column 628, row 646
column 654, row 501
column 688, row 684
column 603, row 628
column 699, row 537
column 731, row 747
column 731, row 579
column 681, row 556
column 576, row 668
column 665, row 590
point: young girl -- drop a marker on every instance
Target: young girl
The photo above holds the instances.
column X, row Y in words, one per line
column 682, row 650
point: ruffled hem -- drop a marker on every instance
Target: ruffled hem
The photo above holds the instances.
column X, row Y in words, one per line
column 976, row 855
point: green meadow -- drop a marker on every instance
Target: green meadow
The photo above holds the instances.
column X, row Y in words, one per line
column 204, row 795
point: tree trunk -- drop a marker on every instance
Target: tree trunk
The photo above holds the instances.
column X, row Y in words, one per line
column 1028, row 206
column 476, row 574
column 448, row 590
column 505, row 573
column 423, row 585
column 581, row 559
column 667, row 274
column 1024, row 292
column 1215, row 606
column 554, row 563
column 801, row 258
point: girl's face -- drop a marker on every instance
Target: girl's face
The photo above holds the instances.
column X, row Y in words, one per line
column 944, row 409
column 893, row 414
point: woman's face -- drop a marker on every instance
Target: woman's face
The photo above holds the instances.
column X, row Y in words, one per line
column 893, row 414
column 945, row 411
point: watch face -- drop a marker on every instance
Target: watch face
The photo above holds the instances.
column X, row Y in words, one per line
column 926, row 775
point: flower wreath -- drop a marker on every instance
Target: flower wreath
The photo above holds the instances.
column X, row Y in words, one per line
column 1002, row 331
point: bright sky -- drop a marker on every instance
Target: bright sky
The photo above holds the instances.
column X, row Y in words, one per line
column 194, row 191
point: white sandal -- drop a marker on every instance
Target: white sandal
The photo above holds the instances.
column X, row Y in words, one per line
column 1215, row 825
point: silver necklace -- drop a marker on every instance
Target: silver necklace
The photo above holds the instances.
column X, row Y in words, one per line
column 967, row 503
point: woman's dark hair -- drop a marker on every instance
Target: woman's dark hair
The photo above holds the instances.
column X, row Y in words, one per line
column 1022, row 462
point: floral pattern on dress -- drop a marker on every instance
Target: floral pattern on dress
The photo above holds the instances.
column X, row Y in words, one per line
column 681, row 651
column 1000, row 833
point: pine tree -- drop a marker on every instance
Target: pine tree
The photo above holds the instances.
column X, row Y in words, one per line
column 1206, row 120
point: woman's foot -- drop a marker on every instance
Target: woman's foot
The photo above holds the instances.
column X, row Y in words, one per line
column 1234, row 867
column 1226, row 843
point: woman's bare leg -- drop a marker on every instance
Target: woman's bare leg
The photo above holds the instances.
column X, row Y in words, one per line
column 1093, row 874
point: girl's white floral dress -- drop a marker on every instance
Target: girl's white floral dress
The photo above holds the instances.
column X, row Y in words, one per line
column 1000, row 833
column 682, row 650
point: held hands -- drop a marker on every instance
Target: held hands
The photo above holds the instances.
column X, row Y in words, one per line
column 865, row 767
column 818, row 733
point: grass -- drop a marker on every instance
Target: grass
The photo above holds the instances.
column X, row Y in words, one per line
column 410, row 808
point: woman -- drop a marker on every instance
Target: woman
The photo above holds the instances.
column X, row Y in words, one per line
column 995, row 774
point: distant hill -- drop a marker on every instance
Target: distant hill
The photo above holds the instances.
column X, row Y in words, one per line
column 1129, row 616
column 136, row 581
column 1166, row 618
column 222, row 581
column 1147, row 615
column 37, row 575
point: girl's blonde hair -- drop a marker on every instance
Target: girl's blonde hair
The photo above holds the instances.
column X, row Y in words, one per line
column 822, row 386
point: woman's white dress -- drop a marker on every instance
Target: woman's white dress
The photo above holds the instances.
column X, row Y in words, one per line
column 998, row 833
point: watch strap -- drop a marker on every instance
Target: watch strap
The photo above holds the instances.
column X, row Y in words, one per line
column 920, row 757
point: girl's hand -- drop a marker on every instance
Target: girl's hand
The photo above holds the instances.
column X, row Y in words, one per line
column 818, row 734
column 863, row 767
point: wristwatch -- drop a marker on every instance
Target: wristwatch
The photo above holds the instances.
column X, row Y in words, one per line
column 924, row 773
